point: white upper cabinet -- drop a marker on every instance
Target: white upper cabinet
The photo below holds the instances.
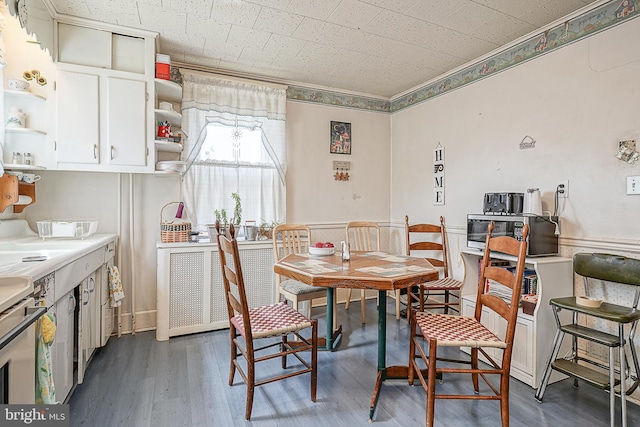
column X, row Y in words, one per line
column 104, row 99
column 78, row 105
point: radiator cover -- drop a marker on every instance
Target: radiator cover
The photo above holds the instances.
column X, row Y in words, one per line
column 190, row 292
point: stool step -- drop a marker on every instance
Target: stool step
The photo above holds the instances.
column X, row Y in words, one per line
column 584, row 373
column 591, row 335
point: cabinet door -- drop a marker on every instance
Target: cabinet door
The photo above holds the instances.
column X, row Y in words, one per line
column 78, row 133
column 62, row 349
column 86, row 324
column 522, row 356
column 125, row 122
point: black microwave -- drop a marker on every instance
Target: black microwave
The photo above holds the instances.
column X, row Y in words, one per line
column 542, row 239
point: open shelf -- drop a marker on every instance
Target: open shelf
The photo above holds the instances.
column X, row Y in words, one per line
column 24, row 131
column 24, row 93
column 168, row 90
column 22, row 167
column 168, row 147
column 172, row 117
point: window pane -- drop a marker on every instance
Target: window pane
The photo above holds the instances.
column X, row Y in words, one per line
column 221, row 146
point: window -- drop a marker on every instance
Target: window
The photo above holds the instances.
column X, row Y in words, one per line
column 236, row 144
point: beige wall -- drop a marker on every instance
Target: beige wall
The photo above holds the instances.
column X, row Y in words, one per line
column 576, row 102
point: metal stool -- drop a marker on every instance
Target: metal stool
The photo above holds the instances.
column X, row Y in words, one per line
column 609, row 268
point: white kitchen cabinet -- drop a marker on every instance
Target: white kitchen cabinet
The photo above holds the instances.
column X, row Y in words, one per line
column 190, row 292
column 101, row 120
column 534, row 333
column 62, row 351
column 87, row 319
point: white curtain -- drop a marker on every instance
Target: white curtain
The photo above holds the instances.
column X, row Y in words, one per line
column 207, row 186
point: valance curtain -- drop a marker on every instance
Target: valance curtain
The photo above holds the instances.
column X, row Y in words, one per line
column 207, row 186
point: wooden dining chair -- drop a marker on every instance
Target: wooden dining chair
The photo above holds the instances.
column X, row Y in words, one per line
column 365, row 236
column 295, row 239
column 248, row 325
column 446, row 330
column 430, row 242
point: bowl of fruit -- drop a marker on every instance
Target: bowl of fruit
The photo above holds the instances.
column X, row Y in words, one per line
column 322, row 249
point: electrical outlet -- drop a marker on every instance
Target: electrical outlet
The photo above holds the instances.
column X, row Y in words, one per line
column 563, row 189
column 633, row 185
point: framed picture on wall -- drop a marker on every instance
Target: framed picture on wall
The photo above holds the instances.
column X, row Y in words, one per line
column 340, row 138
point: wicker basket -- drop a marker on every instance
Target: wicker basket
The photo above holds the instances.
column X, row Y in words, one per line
column 172, row 229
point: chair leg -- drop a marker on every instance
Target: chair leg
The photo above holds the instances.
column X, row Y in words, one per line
column 348, row 301
column 363, row 308
column 233, row 355
column 251, row 381
column 504, row 397
column 446, row 302
column 398, row 304
column 431, row 382
column 412, row 346
column 421, row 295
column 314, row 358
column 474, row 366
column 283, row 347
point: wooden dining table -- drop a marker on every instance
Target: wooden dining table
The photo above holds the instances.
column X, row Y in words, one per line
column 365, row 270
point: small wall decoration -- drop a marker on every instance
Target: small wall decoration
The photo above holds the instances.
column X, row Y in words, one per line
column 627, row 151
column 438, row 175
column 340, row 138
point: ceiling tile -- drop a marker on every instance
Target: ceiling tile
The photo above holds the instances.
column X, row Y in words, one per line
column 502, row 29
column 434, row 11
column 394, row 5
column 235, row 12
column 278, row 44
column 545, row 13
column 314, row 30
column 353, row 14
column 277, row 21
column 247, row 37
column 211, row 30
column 317, row 9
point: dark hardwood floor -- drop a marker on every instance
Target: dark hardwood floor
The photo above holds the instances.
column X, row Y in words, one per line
column 138, row 381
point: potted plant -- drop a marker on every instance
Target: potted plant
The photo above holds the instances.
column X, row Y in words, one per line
column 237, row 210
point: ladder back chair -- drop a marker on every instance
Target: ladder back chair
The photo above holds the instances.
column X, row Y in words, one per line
column 248, row 325
column 604, row 326
column 433, row 243
column 295, row 239
column 446, row 330
column 363, row 236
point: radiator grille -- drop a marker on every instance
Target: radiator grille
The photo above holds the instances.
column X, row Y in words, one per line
column 186, row 289
column 196, row 292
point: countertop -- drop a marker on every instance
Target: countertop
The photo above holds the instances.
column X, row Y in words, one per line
column 59, row 252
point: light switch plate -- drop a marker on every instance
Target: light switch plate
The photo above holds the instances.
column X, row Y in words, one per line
column 633, row 185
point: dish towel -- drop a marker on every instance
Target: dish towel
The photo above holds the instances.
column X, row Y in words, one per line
column 45, row 334
column 116, row 292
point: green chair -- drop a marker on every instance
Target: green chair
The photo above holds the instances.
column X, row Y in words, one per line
column 600, row 268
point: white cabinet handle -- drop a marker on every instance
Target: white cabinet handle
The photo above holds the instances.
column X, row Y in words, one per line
column 112, row 152
column 93, row 283
column 71, row 306
column 85, row 301
column 95, row 151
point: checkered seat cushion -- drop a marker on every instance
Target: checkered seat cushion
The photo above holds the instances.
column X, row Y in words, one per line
column 445, row 284
column 272, row 321
column 298, row 288
column 455, row 331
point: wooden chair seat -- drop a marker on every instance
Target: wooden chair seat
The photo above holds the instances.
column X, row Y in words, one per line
column 444, row 284
column 456, row 331
column 272, row 320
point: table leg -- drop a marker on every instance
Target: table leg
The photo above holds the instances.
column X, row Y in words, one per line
column 332, row 335
column 384, row 372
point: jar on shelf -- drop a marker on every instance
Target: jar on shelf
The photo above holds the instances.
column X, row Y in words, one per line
column 17, row 158
column 27, row 159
